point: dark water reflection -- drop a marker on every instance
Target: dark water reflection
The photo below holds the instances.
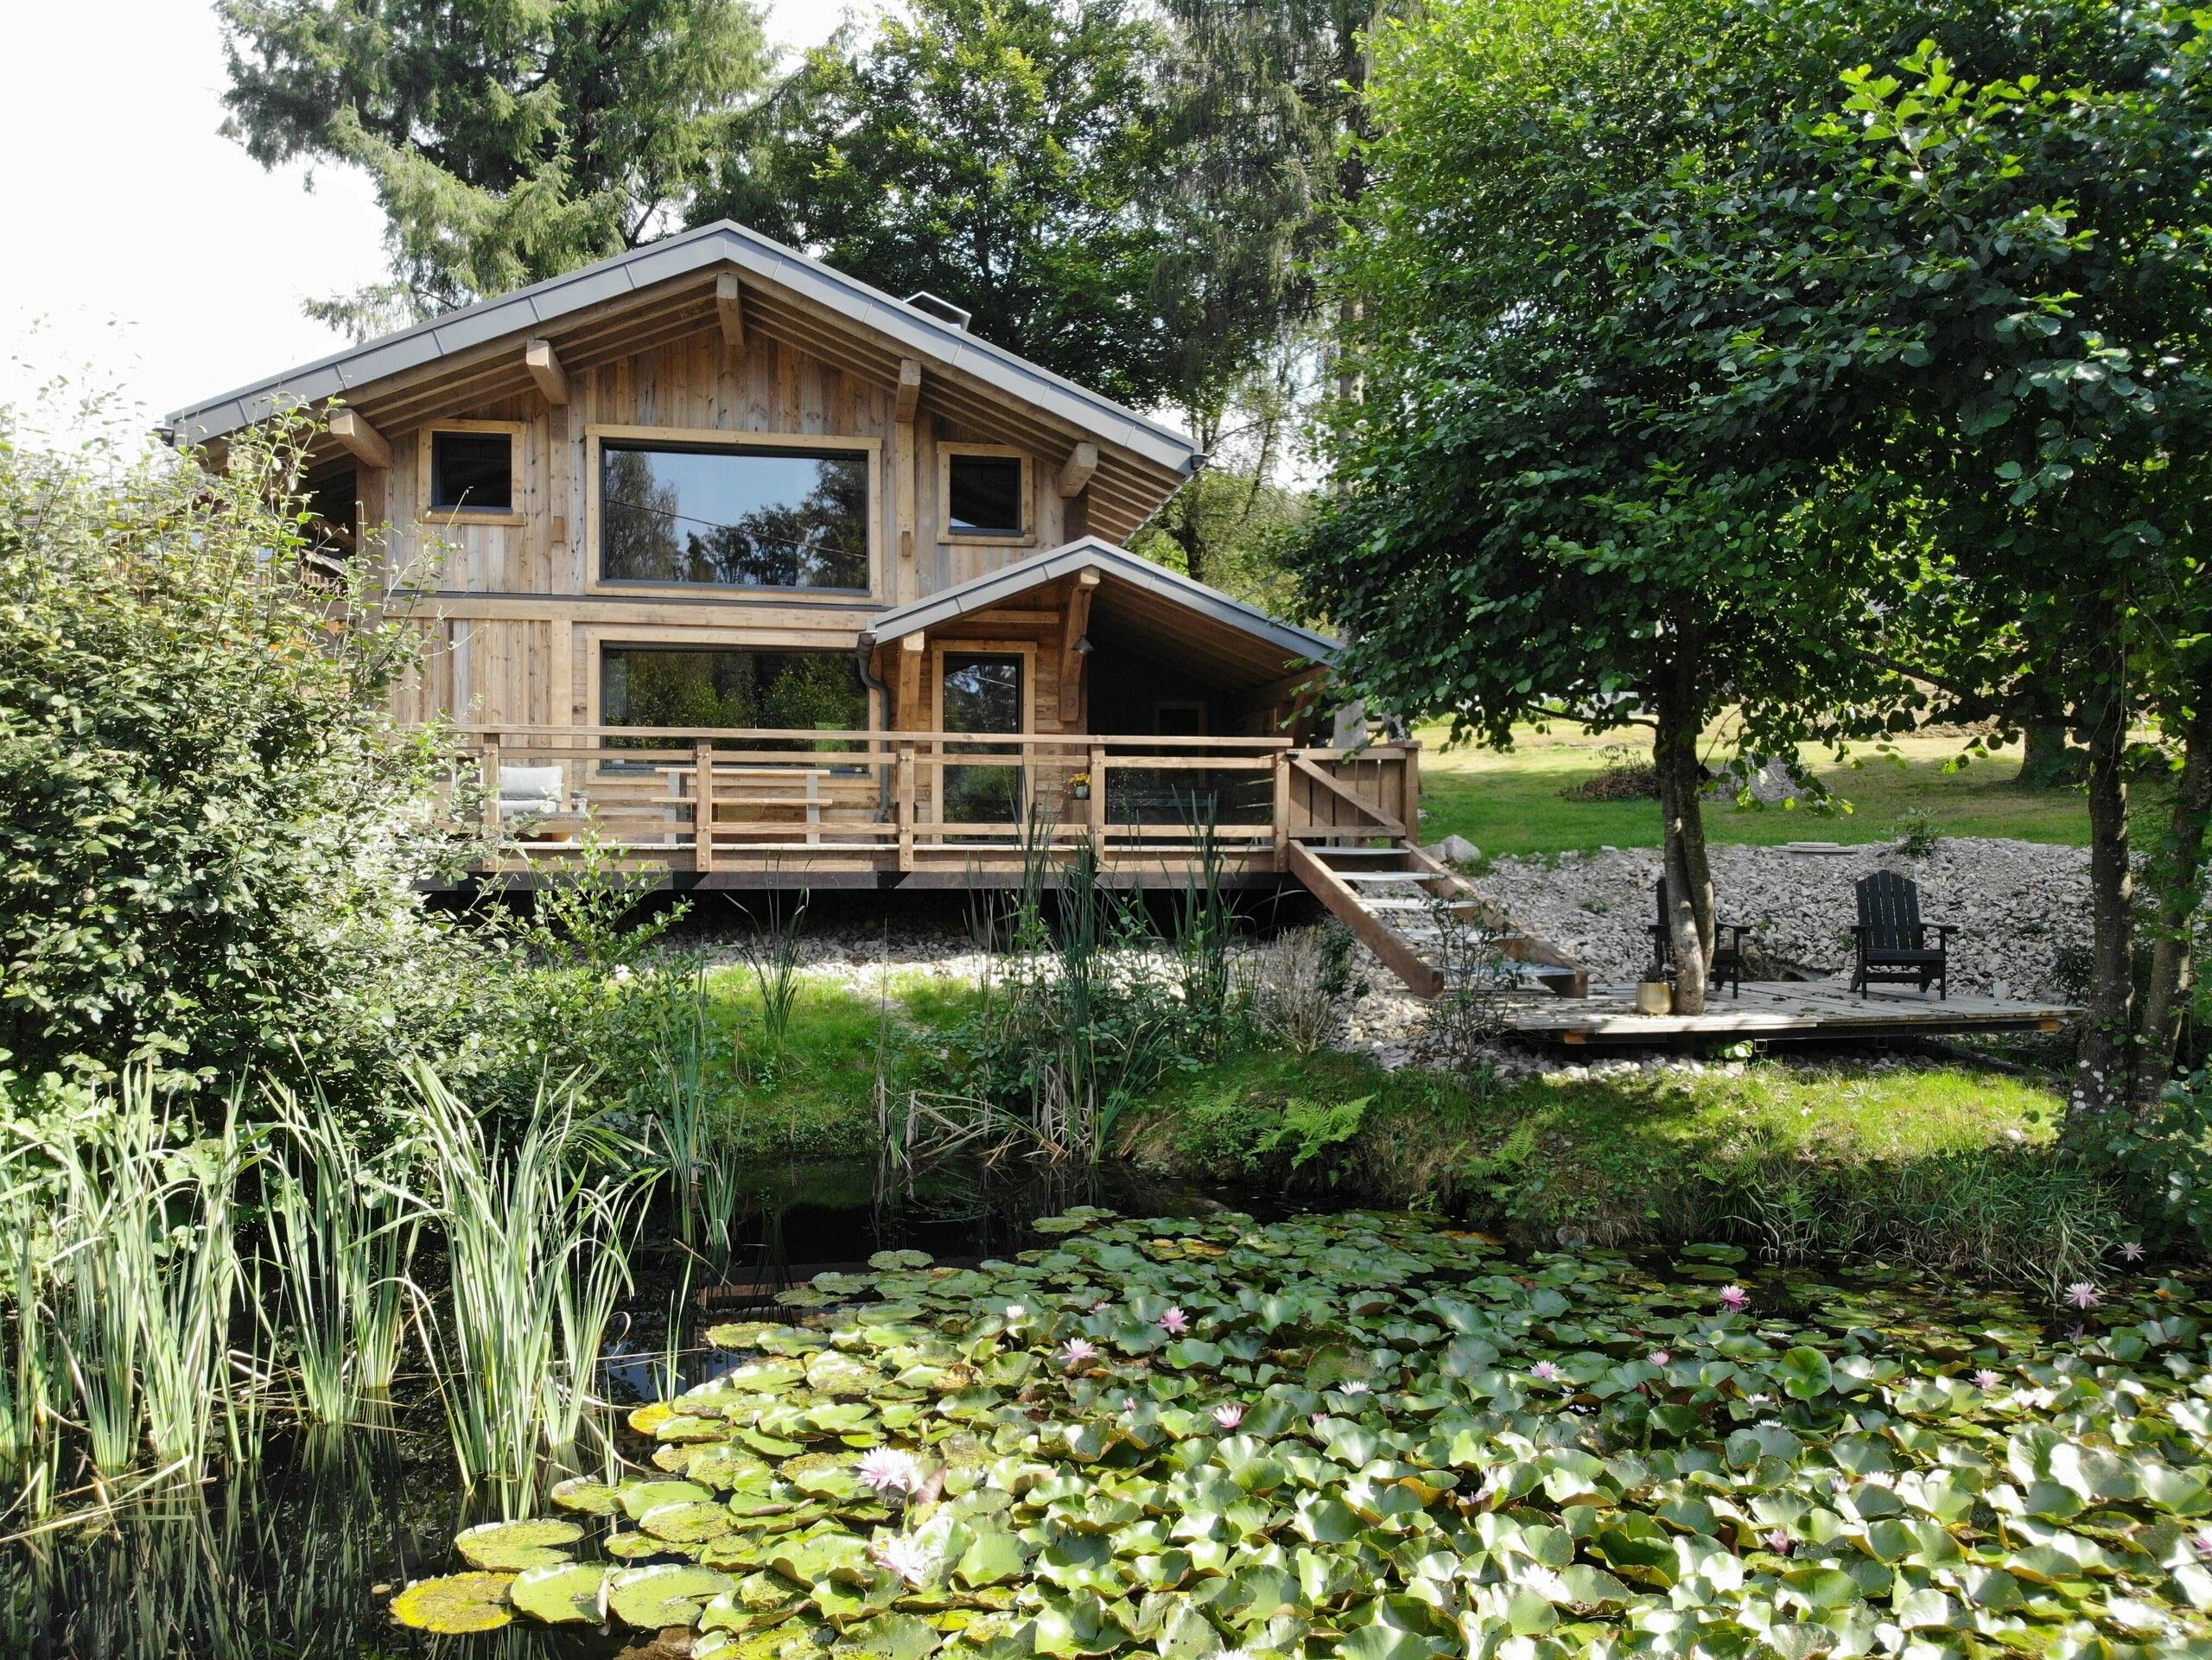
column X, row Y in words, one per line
column 298, row 1558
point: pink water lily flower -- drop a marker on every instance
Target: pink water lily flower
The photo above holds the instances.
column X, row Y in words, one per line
column 1660, row 1358
column 1735, row 1299
column 1174, row 1322
column 1129, row 1403
column 1015, row 1313
column 889, row 1470
column 1544, row 1370
column 1102, row 1304
column 1078, row 1350
column 2133, row 1251
column 1228, row 1413
column 1780, row 1543
column 2082, row 1294
column 1986, row 1379
column 907, row 1557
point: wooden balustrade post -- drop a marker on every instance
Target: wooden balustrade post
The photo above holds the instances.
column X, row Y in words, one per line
column 491, row 789
column 905, row 783
column 703, row 817
column 1281, row 810
column 1098, row 798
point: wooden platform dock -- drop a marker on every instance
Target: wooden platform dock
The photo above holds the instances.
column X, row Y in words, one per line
column 1783, row 1010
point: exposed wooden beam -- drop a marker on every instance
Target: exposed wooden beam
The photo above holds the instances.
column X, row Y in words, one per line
column 366, row 443
column 1075, row 471
column 1080, row 590
column 729, row 306
column 913, row 717
column 910, row 387
column 545, row 369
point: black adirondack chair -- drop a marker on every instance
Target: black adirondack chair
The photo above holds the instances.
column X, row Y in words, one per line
column 1726, row 967
column 1892, row 940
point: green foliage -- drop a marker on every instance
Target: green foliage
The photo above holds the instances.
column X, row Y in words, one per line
column 2165, row 1155
column 508, row 142
column 1227, row 529
column 1919, row 832
column 211, row 821
column 997, row 153
column 1173, row 1435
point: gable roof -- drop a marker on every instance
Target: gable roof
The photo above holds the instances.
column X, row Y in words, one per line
column 655, row 294
column 1132, row 584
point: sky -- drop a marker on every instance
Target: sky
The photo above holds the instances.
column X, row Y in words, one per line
column 151, row 257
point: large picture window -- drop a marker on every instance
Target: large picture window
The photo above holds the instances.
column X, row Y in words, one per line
column 664, row 686
column 733, row 518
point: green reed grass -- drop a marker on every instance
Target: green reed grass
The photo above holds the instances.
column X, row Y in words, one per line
column 343, row 1238
column 538, row 1255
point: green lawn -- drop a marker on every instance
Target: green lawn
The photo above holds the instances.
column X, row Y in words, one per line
column 1511, row 803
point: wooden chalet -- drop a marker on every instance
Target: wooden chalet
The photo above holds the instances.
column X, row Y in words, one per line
column 763, row 577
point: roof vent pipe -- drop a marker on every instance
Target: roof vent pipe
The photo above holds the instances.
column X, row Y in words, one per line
column 943, row 310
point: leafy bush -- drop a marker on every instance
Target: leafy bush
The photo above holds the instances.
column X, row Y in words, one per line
column 209, row 854
column 2164, row 1161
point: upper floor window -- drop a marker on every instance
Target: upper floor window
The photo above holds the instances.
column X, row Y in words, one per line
column 733, row 517
column 472, row 471
column 984, row 495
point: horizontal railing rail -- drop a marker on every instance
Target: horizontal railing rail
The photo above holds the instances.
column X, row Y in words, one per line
column 709, row 797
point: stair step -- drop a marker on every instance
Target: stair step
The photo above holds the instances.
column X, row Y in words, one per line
column 1423, row 907
column 1357, row 853
column 1388, row 876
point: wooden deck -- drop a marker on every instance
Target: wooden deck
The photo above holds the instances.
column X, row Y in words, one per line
column 1783, row 1010
column 791, row 807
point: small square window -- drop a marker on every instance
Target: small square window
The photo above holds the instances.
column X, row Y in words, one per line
column 986, row 492
column 472, row 471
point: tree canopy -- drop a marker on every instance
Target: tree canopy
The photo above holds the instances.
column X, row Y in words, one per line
column 510, row 140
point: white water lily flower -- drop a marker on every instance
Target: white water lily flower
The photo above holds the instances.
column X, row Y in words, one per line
column 1355, row 1386
column 889, row 1470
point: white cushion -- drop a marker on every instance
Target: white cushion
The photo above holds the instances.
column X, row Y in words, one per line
column 539, row 786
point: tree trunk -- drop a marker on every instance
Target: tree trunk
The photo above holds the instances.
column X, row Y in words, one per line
column 2180, row 872
column 2043, row 755
column 1689, row 877
column 2100, row 1073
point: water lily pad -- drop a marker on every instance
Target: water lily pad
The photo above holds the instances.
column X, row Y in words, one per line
column 891, row 1636
column 582, row 1493
column 663, row 1593
column 638, row 1496
column 560, row 1595
column 687, row 1522
column 901, row 1259
column 456, row 1604
column 510, row 1547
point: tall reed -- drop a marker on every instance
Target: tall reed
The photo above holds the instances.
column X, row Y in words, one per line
column 537, row 1255
column 140, row 1275
column 343, row 1238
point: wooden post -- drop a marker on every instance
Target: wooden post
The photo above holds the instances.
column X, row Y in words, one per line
column 1410, row 788
column 491, row 789
column 906, row 787
column 702, row 818
column 1283, row 809
column 1098, row 797
column 904, row 487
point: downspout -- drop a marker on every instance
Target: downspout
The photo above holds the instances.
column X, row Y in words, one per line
column 862, row 654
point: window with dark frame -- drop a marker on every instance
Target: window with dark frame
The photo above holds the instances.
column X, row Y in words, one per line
column 472, row 471
column 733, row 517
column 732, row 686
column 985, row 495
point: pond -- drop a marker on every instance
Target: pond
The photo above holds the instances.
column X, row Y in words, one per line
column 1284, row 1435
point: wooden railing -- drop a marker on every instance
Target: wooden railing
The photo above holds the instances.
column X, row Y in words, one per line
column 708, row 799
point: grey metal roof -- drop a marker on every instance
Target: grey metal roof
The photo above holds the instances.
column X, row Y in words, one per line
column 725, row 242
column 996, row 587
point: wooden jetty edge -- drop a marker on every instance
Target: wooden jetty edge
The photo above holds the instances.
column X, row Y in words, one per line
column 1783, row 1009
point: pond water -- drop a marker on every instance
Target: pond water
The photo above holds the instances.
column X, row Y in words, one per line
column 1338, row 1437
column 302, row 1558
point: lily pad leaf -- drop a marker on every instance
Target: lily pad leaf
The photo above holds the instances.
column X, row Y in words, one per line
column 582, row 1493
column 663, row 1593
column 560, row 1595
column 455, row 1604
column 1804, row 1373
column 892, row 1637
column 992, row 1558
column 510, row 1547
column 638, row 1496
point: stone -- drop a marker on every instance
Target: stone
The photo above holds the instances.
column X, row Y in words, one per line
column 1454, row 851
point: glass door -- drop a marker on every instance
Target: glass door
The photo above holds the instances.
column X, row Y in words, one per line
column 983, row 694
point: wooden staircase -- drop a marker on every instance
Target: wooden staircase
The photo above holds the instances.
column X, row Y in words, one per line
column 1399, row 901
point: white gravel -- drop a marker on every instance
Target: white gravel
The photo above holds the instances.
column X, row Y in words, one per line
column 2016, row 904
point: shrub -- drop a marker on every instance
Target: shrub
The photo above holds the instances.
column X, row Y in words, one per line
column 1622, row 776
column 208, row 852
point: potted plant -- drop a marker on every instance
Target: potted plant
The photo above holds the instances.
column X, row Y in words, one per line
column 1654, row 993
column 1079, row 787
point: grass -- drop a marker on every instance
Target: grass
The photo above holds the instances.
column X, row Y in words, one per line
column 1796, row 1158
column 1511, row 803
